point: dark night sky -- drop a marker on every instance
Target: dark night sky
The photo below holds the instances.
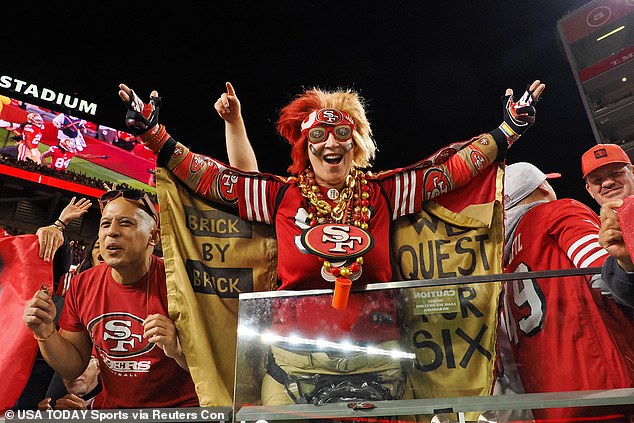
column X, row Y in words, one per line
column 431, row 72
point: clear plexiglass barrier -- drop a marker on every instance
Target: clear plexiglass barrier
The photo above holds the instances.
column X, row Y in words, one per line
column 492, row 348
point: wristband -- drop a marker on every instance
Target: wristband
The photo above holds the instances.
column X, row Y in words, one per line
column 154, row 141
column 58, row 220
column 46, row 337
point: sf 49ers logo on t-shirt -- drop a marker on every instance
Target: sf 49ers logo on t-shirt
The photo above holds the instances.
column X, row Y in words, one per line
column 436, row 183
column 336, row 241
column 119, row 335
column 227, row 186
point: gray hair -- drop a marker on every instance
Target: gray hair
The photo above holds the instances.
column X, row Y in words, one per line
column 145, row 221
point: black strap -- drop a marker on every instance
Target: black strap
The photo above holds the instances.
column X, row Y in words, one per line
column 276, row 371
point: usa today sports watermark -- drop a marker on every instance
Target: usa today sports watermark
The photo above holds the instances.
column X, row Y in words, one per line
column 193, row 414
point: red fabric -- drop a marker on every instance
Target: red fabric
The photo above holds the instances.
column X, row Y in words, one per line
column 480, row 190
column 626, row 220
column 22, row 273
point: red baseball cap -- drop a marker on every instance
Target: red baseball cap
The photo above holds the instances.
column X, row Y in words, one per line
column 602, row 154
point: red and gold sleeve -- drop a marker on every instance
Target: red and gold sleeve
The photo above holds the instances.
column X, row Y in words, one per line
column 200, row 173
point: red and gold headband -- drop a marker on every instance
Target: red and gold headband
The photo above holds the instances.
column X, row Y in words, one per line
column 326, row 117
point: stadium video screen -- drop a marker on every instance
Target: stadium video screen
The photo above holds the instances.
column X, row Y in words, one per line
column 57, row 149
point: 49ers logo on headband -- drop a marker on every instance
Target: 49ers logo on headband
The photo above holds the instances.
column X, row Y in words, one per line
column 326, row 117
column 337, row 241
column 329, row 116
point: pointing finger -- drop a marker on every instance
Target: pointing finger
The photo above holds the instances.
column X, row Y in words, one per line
column 230, row 89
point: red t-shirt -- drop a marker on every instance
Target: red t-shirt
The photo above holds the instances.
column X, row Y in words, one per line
column 135, row 373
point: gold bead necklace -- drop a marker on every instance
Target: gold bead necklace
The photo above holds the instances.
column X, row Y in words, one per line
column 320, row 211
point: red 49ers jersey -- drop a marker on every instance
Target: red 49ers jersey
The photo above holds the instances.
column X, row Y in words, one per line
column 60, row 159
column 278, row 201
column 31, row 135
column 565, row 335
column 392, row 194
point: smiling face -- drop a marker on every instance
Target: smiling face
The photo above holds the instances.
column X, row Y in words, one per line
column 610, row 181
column 330, row 146
column 331, row 161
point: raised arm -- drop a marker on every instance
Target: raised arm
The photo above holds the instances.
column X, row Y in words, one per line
column 239, row 150
column 517, row 117
column 52, row 237
column 200, row 173
column 470, row 158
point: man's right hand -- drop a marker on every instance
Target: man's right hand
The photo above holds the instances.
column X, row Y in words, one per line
column 610, row 235
column 39, row 314
column 45, row 404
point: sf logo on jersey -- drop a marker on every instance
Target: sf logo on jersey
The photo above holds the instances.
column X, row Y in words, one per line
column 339, row 243
column 478, row 159
column 227, row 186
column 436, row 183
column 336, row 241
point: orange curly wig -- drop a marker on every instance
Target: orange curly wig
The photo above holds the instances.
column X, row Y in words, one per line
column 293, row 114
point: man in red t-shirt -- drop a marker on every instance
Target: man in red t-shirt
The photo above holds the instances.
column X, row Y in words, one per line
column 119, row 308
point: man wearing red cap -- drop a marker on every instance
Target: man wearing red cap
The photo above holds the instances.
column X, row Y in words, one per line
column 607, row 170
